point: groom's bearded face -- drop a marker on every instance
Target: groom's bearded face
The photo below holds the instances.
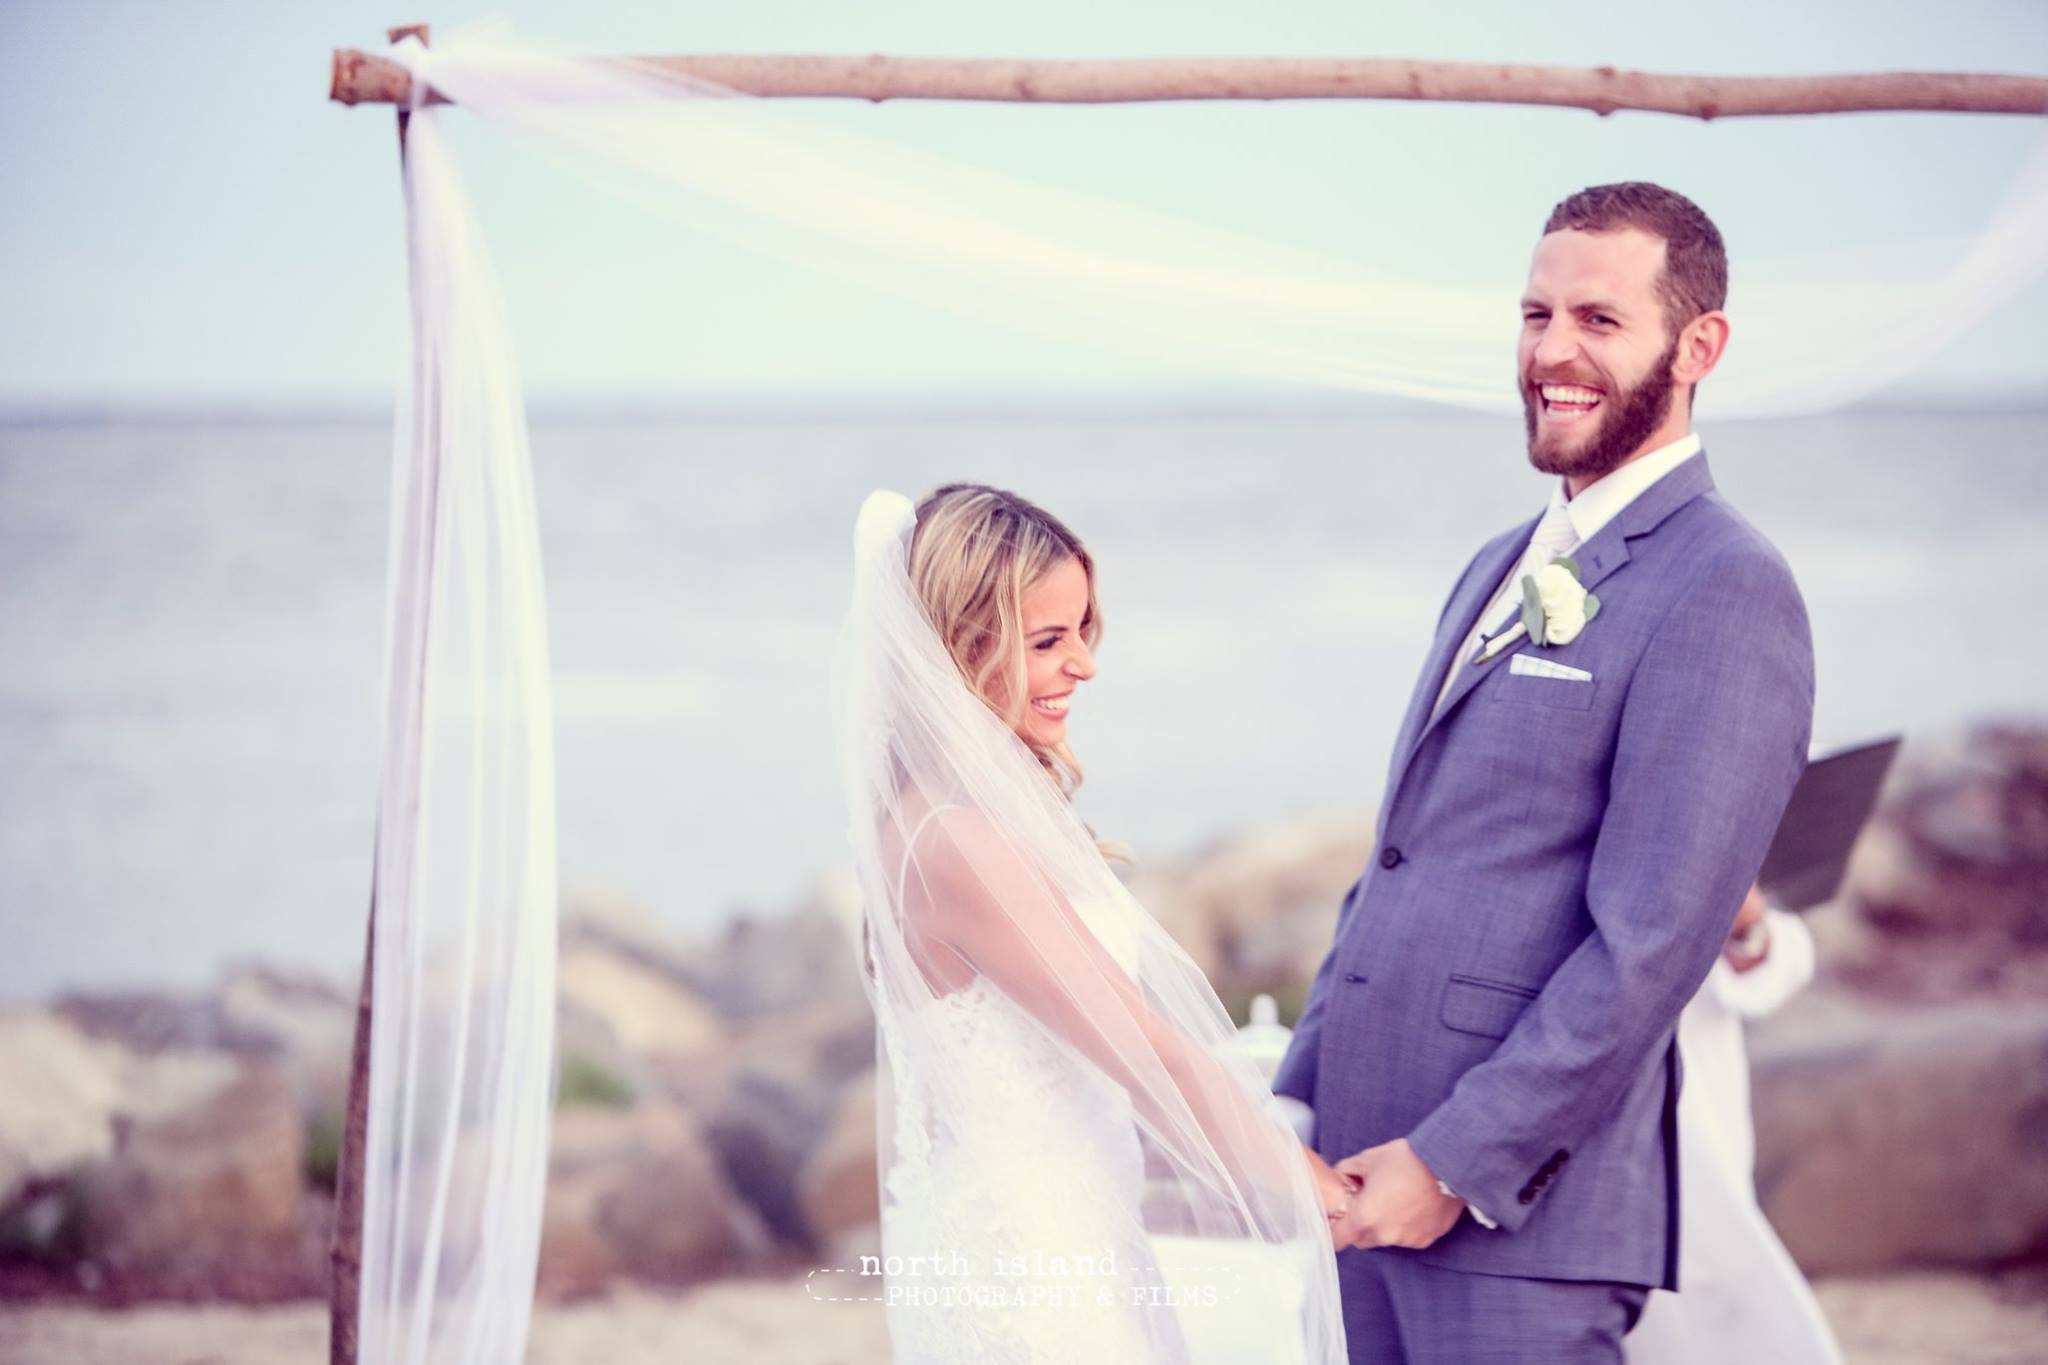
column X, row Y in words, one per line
column 1596, row 355
column 1622, row 421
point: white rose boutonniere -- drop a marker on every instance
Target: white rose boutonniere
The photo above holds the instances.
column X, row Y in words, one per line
column 1555, row 608
column 1555, row 605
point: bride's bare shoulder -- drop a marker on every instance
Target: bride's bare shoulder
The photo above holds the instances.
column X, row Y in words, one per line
column 955, row 867
column 947, row 839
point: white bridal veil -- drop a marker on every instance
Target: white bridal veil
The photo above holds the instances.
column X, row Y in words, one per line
column 1074, row 1043
column 461, row 1071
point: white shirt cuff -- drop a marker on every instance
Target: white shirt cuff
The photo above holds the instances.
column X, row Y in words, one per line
column 1470, row 1207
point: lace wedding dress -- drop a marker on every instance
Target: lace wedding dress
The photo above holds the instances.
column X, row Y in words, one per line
column 1021, row 1166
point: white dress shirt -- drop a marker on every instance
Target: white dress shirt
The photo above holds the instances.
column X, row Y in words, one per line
column 1597, row 504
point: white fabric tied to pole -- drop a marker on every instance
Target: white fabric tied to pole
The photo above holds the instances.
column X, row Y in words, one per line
column 771, row 176
column 462, row 1038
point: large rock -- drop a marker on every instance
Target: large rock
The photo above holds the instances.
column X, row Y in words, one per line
column 650, row 1015
column 209, row 1202
column 838, row 1188
column 62, row 1091
column 1889, row 1139
column 300, row 1021
column 1949, row 884
column 252, row 1011
column 279, row 1012
column 627, row 927
column 768, row 1101
column 1256, row 913
column 636, row 1193
column 70, row 1096
column 768, row 1116
column 769, row 965
column 758, row 966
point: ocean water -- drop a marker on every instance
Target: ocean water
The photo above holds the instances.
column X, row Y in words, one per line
column 190, row 619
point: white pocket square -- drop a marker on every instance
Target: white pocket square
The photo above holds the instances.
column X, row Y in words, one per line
column 1530, row 666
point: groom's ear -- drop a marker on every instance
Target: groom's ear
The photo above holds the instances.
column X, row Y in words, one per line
column 1699, row 347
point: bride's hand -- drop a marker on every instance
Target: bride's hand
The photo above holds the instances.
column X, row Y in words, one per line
column 1333, row 1186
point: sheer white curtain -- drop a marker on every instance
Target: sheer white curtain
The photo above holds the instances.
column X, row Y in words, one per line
column 461, row 1066
column 462, row 1046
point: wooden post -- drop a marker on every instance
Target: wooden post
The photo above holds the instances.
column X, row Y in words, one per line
column 345, row 1250
column 359, row 77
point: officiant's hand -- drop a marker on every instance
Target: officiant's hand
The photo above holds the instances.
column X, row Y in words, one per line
column 1749, row 941
column 1399, row 1204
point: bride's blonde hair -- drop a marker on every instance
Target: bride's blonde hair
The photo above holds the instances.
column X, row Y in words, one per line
column 975, row 551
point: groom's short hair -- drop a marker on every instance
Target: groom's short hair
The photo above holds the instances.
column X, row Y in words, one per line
column 1695, row 278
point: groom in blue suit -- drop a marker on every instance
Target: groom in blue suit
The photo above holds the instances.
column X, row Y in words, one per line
column 1597, row 752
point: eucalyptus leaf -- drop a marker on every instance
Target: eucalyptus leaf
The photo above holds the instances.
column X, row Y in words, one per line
column 1532, row 609
column 1592, row 606
column 1571, row 565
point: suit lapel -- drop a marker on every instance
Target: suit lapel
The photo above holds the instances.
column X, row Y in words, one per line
column 1598, row 559
column 1459, row 618
column 1468, row 673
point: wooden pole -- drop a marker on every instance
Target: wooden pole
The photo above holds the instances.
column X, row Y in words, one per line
column 370, row 78
column 345, row 1251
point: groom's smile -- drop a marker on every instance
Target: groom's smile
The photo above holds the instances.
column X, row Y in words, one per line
column 1565, row 404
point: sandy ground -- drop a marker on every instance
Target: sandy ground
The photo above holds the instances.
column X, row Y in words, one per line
column 1919, row 1319
column 1939, row 1319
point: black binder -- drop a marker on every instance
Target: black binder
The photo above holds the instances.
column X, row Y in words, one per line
column 1827, row 811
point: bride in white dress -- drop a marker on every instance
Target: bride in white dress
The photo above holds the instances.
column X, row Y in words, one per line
column 1075, row 1166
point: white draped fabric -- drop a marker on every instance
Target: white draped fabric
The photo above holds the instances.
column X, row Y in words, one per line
column 462, row 1046
column 461, row 1064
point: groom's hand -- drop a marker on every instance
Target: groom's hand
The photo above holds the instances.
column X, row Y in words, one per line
column 1400, row 1204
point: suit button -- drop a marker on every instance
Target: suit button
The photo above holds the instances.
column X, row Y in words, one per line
column 1390, row 857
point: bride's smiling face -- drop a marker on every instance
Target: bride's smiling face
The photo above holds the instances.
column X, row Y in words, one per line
column 1056, row 617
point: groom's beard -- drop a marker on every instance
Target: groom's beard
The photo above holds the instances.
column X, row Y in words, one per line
column 1629, row 419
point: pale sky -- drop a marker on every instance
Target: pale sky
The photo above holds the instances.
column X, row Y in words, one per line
column 188, row 220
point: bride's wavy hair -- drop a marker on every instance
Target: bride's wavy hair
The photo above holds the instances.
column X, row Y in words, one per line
column 975, row 552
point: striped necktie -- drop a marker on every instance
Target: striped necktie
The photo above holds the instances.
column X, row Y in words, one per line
column 1554, row 536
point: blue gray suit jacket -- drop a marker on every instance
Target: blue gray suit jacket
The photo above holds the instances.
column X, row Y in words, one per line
column 1558, row 864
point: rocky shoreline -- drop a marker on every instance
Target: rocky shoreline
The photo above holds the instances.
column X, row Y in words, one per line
column 716, row 1124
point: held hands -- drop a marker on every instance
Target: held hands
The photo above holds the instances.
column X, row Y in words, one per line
column 1335, row 1190
column 1398, row 1204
